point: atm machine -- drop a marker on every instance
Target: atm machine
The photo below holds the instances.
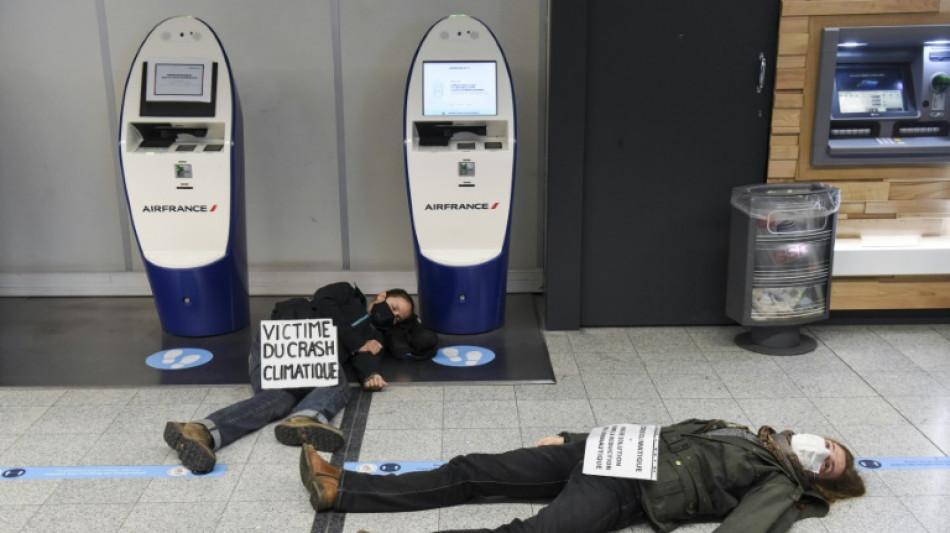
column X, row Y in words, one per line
column 882, row 96
column 181, row 151
column 460, row 151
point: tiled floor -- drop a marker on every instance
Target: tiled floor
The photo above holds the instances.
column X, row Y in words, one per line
column 883, row 390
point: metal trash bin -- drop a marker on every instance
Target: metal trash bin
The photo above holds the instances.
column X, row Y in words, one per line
column 780, row 258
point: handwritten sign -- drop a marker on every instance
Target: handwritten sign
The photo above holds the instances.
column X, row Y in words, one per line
column 299, row 353
column 623, row 450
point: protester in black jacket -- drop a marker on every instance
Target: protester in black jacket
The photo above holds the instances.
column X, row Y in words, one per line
column 707, row 470
column 360, row 340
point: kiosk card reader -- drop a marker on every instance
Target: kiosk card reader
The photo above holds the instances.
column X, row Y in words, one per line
column 459, row 134
column 882, row 96
column 180, row 146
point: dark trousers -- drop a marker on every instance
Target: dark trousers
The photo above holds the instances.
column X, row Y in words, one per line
column 580, row 502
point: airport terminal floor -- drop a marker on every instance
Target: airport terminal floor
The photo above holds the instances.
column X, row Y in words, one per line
column 884, row 390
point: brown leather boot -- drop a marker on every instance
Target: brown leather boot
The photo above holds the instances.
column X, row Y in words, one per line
column 320, row 477
column 193, row 443
column 298, row 430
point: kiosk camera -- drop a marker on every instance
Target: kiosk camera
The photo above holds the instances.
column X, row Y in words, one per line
column 882, row 96
column 180, row 146
column 460, row 131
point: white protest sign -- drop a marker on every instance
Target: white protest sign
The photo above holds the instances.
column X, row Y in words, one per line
column 623, row 450
column 299, row 353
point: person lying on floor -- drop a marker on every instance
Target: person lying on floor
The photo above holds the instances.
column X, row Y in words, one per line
column 360, row 335
column 707, row 470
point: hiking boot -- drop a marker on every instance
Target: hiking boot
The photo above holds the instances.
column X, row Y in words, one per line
column 298, row 430
column 193, row 443
column 320, row 477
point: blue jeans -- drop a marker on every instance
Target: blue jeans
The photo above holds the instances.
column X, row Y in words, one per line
column 580, row 502
column 236, row 420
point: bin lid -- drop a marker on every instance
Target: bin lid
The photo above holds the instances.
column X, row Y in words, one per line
column 814, row 199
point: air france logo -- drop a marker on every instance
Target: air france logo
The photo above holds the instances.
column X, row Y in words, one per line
column 462, row 207
column 180, row 208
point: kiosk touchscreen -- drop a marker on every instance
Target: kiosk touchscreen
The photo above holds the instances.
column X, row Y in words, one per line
column 460, row 133
column 182, row 162
column 881, row 96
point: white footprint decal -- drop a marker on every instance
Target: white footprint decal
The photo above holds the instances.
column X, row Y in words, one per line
column 171, row 355
column 187, row 360
column 472, row 358
column 452, row 354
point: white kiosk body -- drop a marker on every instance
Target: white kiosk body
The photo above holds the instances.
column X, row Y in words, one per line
column 181, row 150
column 460, row 148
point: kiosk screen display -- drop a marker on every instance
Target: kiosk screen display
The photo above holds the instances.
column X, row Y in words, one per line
column 868, row 91
column 176, row 87
column 459, row 88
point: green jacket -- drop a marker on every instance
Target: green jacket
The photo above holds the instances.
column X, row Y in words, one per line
column 712, row 477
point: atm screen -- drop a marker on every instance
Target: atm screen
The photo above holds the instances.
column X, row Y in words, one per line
column 459, row 88
column 870, row 91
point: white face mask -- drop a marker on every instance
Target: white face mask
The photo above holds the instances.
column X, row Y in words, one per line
column 811, row 451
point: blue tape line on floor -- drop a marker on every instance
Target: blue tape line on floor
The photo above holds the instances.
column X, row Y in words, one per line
column 903, row 463
column 103, row 472
column 391, row 467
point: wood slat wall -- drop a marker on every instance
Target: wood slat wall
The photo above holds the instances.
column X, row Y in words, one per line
column 894, row 198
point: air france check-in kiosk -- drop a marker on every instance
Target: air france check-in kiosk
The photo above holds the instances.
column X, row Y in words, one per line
column 180, row 146
column 460, row 152
column 882, row 96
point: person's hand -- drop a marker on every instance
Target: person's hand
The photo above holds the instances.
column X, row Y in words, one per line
column 549, row 440
column 381, row 297
column 374, row 383
column 372, row 346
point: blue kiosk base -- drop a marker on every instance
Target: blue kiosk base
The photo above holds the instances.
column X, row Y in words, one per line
column 462, row 300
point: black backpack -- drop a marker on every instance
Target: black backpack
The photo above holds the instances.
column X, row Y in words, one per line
column 410, row 340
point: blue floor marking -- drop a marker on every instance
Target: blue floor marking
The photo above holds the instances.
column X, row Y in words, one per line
column 101, row 472
column 902, row 463
column 391, row 467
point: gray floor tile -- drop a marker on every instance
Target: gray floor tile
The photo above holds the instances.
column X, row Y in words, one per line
column 566, row 388
column 15, row 397
column 657, row 363
column 662, row 339
column 98, row 491
column 27, row 491
column 63, row 419
column 742, row 361
column 101, row 517
column 799, row 414
column 933, row 512
column 619, row 386
column 260, row 515
column 557, row 341
column 609, row 363
column 690, row 386
column 832, row 384
column 715, row 338
column 145, row 418
column 709, row 408
column 113, row 448
column 600, row 340
column 939, row 434
column 464, row 441
column 48, row 449
column 760, row 384
column 871, row 515
column 408, row 394
column 858, row 411
column 479, row 516
column 98, row 396
column 15, row 517
column 910, row 483
column 462, row 393
column 820, row 361
column 17, row 419
column 227, row 394
column 878, row 359
column 552, row 413
column 411, row 522
column 563, row 363
column 193, row 489
column 272, row 483
column 891, row 384
column 481, row 414
column 402, row 445
column 634, row 411
column 847, row 337
column 150, row 517
column 891, row 440
column 397, row 415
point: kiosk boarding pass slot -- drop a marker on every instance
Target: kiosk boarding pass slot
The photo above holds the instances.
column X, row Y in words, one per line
column 164, row 136
column 881, row 96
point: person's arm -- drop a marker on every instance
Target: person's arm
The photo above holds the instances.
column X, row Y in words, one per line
column 769, row 507
column 329, row 302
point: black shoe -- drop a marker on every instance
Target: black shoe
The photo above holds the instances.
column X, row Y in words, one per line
column 299, row 430
column 193, row 444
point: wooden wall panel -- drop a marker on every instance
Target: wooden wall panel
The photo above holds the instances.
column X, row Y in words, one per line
column 901, row 198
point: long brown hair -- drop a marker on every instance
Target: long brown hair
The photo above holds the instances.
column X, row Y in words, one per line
column 848, row 485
